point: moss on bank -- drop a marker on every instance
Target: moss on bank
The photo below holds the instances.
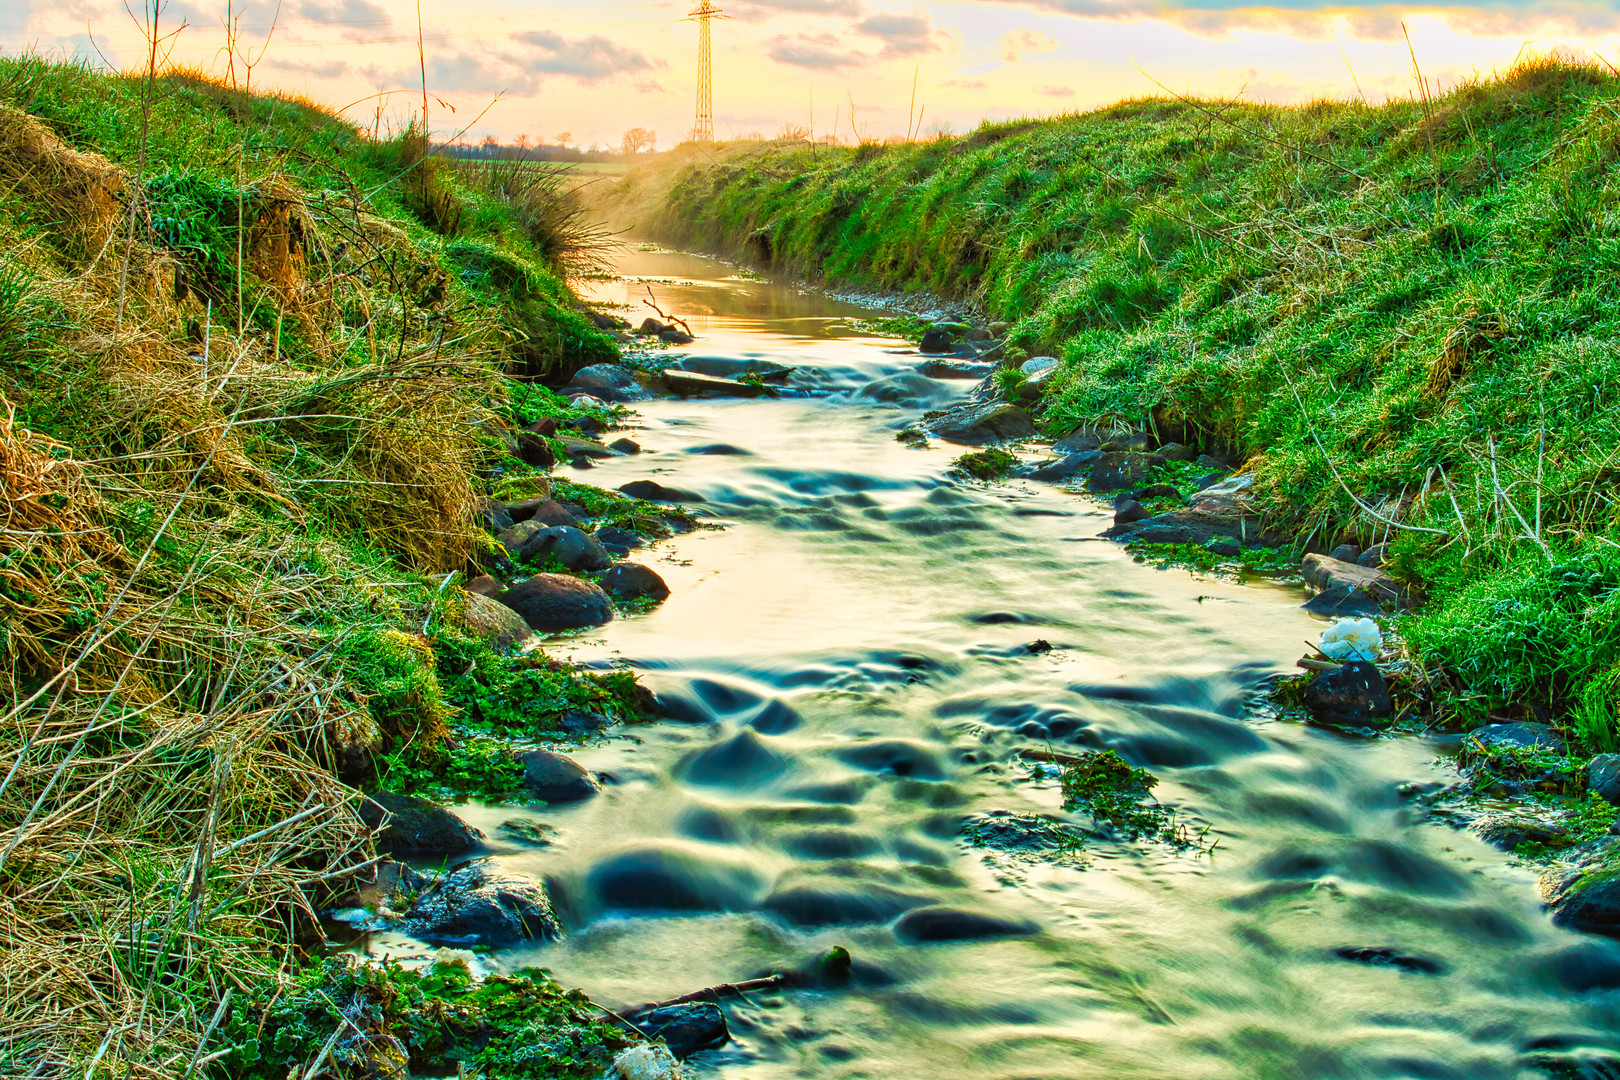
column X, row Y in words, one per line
column 254, row 375
column 1404, row 311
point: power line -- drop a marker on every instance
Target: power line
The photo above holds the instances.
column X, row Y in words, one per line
column 703, row 126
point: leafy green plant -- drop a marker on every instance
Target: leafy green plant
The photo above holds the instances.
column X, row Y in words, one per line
column 1112, row 791
column 989, row 464
column 1199, row 558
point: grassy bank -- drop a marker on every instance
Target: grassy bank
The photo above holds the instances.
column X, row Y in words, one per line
column 1402, row 317
column 256, row 376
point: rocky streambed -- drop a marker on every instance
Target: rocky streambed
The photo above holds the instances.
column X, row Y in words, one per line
column 871, row 679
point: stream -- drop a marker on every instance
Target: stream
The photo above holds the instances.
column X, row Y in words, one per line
column 849, row 665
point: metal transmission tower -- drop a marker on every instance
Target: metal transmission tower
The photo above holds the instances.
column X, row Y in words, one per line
column 703, row 127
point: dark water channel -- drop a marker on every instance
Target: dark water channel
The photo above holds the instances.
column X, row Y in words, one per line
column 849, row 659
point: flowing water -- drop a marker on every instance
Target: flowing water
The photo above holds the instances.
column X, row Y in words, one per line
column 849, row 662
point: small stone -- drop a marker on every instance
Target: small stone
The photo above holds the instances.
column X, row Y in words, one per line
column 1128, row 511
column 545, row 427
column 653, row 491
column 650, row 325
column 556, row 778
column 632, row 581
column 625, row 446
column 624, row 538
column 535, row 451
column 528, row 832
column 485, row 585
column 494, row 516
column 1064, row 468
column 416, row 826
column 476, row 905
column 1037, row 364
column 546, row 511
column 932, row 924
column 566, row 546
column 1078, row 441
column 1353, row 695
column 936, row 341
column 988, row 422
column 686, row 1029
column 552, row 602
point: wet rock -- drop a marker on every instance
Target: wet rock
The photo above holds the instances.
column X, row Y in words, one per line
column 576, row 447
column 476, row 905
column 494, row 516
column 932, row 924
column 957, row 369
column 909, row 391
column 673, row 336
column 1383, row 956
column 1509, row 832
column 1033, row 387
column 1135, row 442
column 686, row 1029
column 1345, row 553
column 540, row 510
column 975, row 425
column 744, row 760
column 1353, row 695
column 553, row 602
column 1037, row 364
column 556, row 778
column 666, row 877
column 416, row 826
column 1177, row 452
column 582, row 462
column 1372, row 558
column 1324, row 573
column 1342, row 602
column 936, row 340
column 632, row 581
column 831, row 842
column 730, row 367
column 1588, row 901
column 582, row 722
column 494, row 622
column 545, row 426
column 1603, row 776
column 535, row 451
column 625, row 446
column 1066, row 467
column 1078, row 441
column 485, row 585
column 611, row 537
column 1129, row 510
column 652, row 326
column 528, row 832
column 775, row 718
column 1516, row 736
column 895, row 756
column 566, row 546
column 388, row 884
column 1124, row 471
column 610, row 382
column 653, row 491
column 586, row 424
column 719, row 450
column 839, row 904
column 516, row 539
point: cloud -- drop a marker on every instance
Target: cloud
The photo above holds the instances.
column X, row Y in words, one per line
column 522, row 68
column 329, row 69
column 902, row 35
column 588, row 59
column 756, row 10
column 1025, row 43
column 358, row 19
column 1055, row 91
column 820, row 53
column 966, row 84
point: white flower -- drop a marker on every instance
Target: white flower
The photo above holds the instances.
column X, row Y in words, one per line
column 651, row 1061
column 1352, row 639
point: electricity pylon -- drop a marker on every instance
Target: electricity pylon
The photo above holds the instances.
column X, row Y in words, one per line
column 703, row 127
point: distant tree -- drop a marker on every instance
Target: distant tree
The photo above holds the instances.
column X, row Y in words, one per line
column 792, row 132
column 638, row 139
column 523, row 142
column 564, row 138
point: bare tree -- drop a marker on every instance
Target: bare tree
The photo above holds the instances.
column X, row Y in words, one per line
column 564, row 138
column 792, row 132
column 523, row 142
column 638, row 139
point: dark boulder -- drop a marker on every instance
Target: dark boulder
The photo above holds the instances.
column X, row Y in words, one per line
column 590, row 448
column 416, row 826
column 696, row 384
column 839, row 904
column 1343, row 601
column 975, row 425
column 568, row 547
column 1346, row 553
column 650, row 325
column 1064, row 468
column 1588, row 901
column 632, row 581
column 1129, row 510
column 625, row 446
column 476, row 905
column 1603, row 776
column 546, row 511
column 936, row 341
column 1078, row 441
column 957, row 369
column 653, row 491
column 536, row 451
column 556, row 778
column 1177, row 452
column 674, row 336
column 552, row 602
column 610, row 382
column 1122, row 471
column 672, row 877
column 686, row 1029
column 494, row 516
column 1353, row 695
column 1372, row 558
column 932, row 924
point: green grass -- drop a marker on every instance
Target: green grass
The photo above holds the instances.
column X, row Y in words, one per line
column 1436, row 280
column 991, row 464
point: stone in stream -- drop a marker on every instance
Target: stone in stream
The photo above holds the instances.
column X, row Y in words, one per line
column 931, row 924
column 415, row 826
column 487, row 618
column 610, row 382
column 899, row 757
column 556, row 778
column 1122, row 471
column 1603, row 777
column 937, row 340
column 686, row 1029
column 909, row 391
column 552, row 602
column 1351, row 695
column 566, row 546
column 653, row 491
column 625, row 446
column 1382, row 956
column 988, row 422
column 632, row 581
column 839, row 904
column 730, row 367
column 672, row 877
column 744, row 760
column 1586, row 899
column 956, row 369
column 1066, row 467
column 674, row 336
column 689, row 383
column 1129, row 510
column 477, row 905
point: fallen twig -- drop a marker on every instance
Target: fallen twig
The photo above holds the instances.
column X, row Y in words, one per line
column 713, row 993
column 652, row 302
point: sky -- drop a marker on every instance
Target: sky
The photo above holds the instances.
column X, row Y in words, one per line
column 873, row 68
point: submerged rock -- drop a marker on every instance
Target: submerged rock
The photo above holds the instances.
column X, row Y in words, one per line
column 416, row 826
column 1064, row 468
column 686, row 1029
column 476, row 905
column 556, row 778
column 668, row 877
column 552, row 602
column 932, row 924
